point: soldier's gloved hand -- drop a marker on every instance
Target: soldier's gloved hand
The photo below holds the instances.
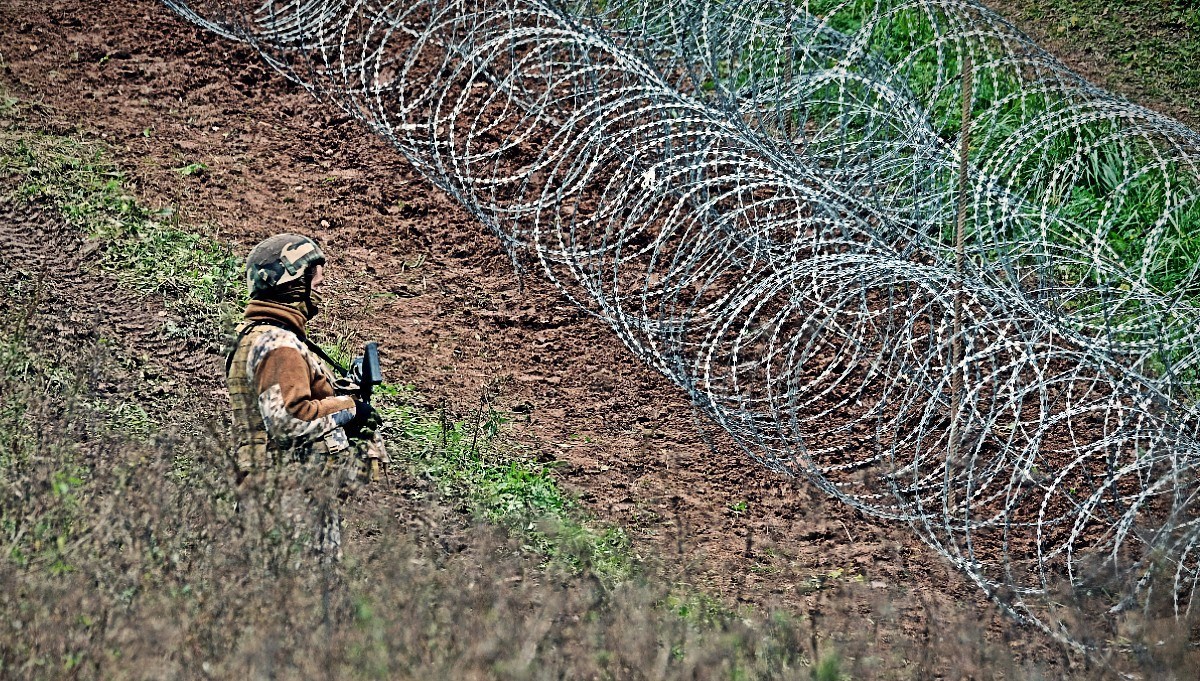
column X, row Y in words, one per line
column 366, row 420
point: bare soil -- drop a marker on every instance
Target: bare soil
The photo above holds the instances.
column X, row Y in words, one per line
column 411, row 269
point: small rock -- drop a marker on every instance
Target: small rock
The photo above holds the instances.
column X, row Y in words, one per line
column 88, row 248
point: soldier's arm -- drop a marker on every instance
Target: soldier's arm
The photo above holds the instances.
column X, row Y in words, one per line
column 290, row 412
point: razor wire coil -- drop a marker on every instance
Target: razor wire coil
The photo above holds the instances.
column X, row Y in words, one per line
column 759, row 198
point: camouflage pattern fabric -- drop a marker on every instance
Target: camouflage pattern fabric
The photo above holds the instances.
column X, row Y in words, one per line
column 283, row 397
column 323, row 435
column 280, row 260
column 254, row 448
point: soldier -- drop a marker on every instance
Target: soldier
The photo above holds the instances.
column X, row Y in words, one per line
column 286, row 402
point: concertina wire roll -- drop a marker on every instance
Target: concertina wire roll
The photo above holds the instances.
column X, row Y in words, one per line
column 759, row 199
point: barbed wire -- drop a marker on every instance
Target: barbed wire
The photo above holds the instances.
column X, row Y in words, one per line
column 759, row 198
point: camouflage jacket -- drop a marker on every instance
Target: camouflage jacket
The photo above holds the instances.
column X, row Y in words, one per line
column 283, row 395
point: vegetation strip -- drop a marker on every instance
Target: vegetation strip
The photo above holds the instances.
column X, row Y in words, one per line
column 1149, row 46
column 472, row 463
column 149, row 251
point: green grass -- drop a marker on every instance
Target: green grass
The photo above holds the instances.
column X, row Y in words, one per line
column 1096, row 155
column 1105, row 188
column 1147, row 48
column 149, row 251
column 476, row 464
column 829, row 669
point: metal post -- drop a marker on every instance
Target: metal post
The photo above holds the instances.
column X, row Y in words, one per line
column 957, row 368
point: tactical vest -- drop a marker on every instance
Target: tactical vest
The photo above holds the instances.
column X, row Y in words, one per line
column 254, row 446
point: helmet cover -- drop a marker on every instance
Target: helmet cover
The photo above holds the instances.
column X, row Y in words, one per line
column 280, row 260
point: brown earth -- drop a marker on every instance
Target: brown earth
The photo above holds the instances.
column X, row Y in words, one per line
column 410, row 268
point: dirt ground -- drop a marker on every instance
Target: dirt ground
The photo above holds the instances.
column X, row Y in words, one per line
column 413, row 270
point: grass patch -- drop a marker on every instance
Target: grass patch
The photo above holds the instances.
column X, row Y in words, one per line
column 1092, row 199
column 1149, row 47
column 149, row 251
column 1105, row 183
column 473, row 463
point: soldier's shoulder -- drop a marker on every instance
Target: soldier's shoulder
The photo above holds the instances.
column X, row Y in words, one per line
column 266, row 339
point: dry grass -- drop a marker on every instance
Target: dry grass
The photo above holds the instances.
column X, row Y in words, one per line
column 127, row 559
column 135, row 557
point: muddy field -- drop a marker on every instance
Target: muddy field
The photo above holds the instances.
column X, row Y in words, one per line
column 414, row 271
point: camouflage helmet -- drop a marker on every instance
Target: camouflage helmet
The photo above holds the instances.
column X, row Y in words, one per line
column 279, row 260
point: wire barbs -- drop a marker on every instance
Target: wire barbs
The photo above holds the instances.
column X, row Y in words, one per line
column 760, row 199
